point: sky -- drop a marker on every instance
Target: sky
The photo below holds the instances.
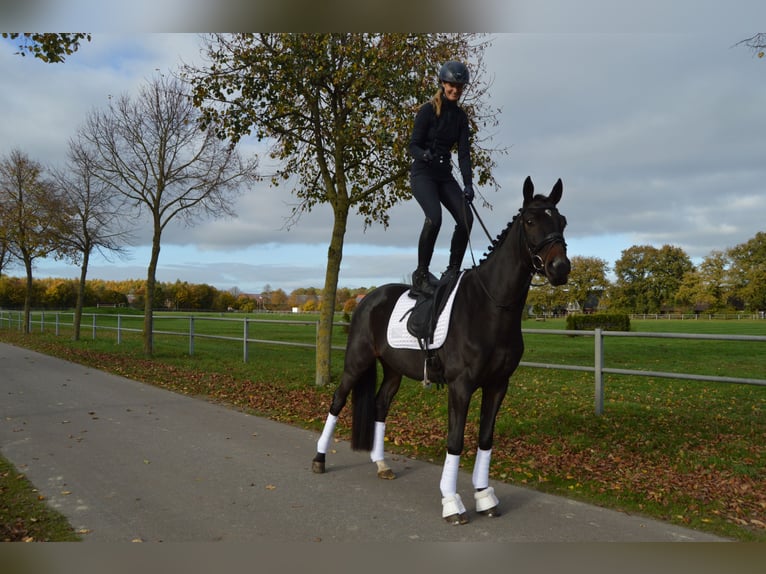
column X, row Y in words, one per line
column 656, row 128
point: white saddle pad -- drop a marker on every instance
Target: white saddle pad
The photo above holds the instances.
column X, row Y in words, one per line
column 398, row 335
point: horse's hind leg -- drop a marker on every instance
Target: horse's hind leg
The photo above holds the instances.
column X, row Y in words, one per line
column 318, row 463
column 388, row 389
column 338, row 402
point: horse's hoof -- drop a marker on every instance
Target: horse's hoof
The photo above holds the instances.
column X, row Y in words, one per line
column 493, row 512
column 457, row 519
column 486, row 502
column 317, row 466
column 386, row 474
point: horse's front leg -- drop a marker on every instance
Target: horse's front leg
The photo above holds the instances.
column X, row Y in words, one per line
column 388, row 389
column 484, row 495
column 453, row 509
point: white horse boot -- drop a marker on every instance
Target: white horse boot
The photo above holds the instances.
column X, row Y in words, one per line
column 486, row 502
column 453, row 510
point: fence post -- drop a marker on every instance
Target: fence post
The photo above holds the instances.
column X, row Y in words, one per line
column 598, row 344
column 42, row 321
column 57, row 324
column 191, row 335
column 119, row 325
column 245, row 337
column 94, row 326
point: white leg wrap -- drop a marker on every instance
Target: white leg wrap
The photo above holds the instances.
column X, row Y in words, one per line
column 452, row 505
column 377, row 453
column 327, row 433
column 485, row 499
column 481, row 469
column 448, row 484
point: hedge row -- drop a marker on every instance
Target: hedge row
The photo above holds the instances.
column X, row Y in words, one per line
column 605, row 321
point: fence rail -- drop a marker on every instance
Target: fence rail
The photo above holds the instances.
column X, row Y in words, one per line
column 11, row 319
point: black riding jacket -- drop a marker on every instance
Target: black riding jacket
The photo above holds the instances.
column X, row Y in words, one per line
column 439, row 135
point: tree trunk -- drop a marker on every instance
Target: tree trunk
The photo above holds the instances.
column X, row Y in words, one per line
column 149, row 296
column 327, row 310
column 81, row 294
column 28, row 295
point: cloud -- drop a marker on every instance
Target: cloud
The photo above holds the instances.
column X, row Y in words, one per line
column 656, row 136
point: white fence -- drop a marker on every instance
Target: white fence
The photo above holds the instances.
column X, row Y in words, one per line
column 599, row 370
column 11, row 319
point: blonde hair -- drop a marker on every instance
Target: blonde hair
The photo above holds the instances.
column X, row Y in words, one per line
column 436, row 102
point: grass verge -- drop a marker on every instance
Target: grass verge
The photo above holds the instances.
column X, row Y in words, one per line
column 24, row 514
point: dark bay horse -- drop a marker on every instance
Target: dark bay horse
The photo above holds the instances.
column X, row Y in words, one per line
column 482, row 350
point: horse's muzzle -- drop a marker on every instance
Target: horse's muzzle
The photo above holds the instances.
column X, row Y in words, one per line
column 557, row 265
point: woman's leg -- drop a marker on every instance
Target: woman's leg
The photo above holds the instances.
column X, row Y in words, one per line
column 426, row 193
column 452, row 198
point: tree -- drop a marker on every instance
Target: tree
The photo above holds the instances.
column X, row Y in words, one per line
column 587, row 279
column 649, row 278
column 48, row 47
column 756, row 43
column 338, row 108
column 5, row 252
column 92, row 219
column 278, row 299
column 748, row 272
column 547, row 300
column 151, row 150
column 29, row 210
column 709, row 286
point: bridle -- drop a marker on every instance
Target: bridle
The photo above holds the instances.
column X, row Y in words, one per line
column 537, row 261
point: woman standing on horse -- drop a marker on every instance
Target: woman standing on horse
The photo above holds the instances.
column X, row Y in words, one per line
column 440, row 125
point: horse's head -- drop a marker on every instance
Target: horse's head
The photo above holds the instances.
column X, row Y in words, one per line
column 544, row 233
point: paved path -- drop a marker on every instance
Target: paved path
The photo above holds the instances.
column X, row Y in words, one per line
column 128, row 461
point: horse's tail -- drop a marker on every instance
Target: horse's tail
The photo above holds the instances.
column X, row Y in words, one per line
column 363, row 404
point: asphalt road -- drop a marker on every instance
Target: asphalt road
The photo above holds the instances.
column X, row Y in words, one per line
column 126, row 461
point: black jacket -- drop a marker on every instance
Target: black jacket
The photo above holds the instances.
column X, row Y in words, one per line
column 440, row 136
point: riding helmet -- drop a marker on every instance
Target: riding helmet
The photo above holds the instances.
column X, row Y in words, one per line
column 454, row 72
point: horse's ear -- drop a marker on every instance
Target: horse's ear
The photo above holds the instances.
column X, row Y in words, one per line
column 529, row 190
column 558, row 189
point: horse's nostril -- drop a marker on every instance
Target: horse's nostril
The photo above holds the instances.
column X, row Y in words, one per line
column 560, row 266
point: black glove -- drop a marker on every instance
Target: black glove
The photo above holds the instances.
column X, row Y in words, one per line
column 428, row 157
column 468, row 193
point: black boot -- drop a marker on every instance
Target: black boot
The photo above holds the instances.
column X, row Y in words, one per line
column 450, row 274
column 421, row 282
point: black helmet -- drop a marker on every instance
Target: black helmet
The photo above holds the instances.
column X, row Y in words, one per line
column 454, row 73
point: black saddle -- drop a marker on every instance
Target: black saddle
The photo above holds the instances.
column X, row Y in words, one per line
column 422, row 318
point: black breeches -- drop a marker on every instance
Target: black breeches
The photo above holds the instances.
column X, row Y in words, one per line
column 431, row 192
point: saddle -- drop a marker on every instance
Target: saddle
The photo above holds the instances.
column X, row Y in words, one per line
column 423, row 316
column 422, row 322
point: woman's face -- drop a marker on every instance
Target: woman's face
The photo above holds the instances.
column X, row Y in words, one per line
column 452, row 91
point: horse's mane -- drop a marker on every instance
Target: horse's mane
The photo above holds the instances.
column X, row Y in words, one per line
column 501, row 237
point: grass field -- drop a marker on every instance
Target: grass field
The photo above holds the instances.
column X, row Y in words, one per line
column 685, row 451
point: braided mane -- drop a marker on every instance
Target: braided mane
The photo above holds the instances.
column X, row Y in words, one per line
column 501, row 237
column 491, row 249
